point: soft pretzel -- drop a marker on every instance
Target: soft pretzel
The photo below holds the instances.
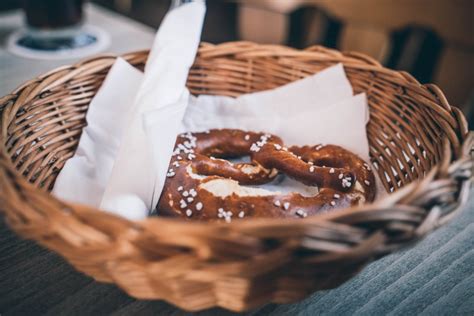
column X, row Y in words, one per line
column 203, row 185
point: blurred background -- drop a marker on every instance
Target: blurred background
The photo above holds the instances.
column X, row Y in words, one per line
column 431, row 39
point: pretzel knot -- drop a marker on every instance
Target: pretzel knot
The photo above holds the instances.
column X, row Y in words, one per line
column 203, row 185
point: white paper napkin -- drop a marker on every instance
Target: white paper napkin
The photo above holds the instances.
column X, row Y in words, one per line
column 136, row 172
column 312, row 93
column 84, row 176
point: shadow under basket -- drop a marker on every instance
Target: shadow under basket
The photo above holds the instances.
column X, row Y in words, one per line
column 419, row 146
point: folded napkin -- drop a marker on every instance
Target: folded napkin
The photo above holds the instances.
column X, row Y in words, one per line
column 84, row 177
column 309, row 94
column 137, row 170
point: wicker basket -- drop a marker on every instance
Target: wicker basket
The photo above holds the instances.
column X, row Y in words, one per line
column 418, row 145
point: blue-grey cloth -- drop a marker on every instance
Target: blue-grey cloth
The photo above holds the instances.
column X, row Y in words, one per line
column 435, row 277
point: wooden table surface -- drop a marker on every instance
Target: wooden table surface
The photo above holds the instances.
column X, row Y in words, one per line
column 435, row 277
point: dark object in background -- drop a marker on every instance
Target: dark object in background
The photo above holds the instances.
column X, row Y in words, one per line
column 309, row 25
column 416, row 50
column 55, row 29
column 220, row 24
column 52, row 14
column 9, row 5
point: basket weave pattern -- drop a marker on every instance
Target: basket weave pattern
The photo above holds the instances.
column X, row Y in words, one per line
column 418, row 145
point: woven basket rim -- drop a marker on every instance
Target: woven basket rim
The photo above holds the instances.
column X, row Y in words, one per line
column 457, row 147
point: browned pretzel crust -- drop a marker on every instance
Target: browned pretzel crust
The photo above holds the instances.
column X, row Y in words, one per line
column 203, row 185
